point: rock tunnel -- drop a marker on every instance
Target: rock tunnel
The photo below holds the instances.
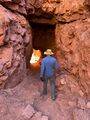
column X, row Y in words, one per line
column 27, row 29
column 71, row 33
column 43, row 37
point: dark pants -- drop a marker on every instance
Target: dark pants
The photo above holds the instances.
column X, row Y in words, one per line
column 52, row 86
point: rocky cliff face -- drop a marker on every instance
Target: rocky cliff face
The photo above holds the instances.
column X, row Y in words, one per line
column 74, row 52
column 72, row 35
column 15, row 35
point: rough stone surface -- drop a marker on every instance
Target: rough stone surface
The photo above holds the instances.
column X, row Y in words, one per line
column 72, row 46
column 88, row 105
column 18, row 103
column 3, row 27
column 14, row 38
column 44, row 118
column 28, row 112
column 80, row 115
column 15, row 5
column 81, row 103
column 25, row 102
column 72, row 37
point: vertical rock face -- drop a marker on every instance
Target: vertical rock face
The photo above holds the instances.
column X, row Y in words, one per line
column 15, row 35
column 72, row 37
column 23, row 6
column 15, row 5
column 73, row 41
column 73, row 44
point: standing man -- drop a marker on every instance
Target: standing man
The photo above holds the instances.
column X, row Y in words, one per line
column 49, row 67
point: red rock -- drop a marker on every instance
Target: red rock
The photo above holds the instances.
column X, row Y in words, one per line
column 80, row 114
column 72, row 37
column 44, row 118
column 3, row 26
column 28, row 112
column 81, row 93
column 81, row 103
column 37, row 116
column 63, row 81
column 1, row 40
column 12, row 29
column 6, row 55
column 88, row 105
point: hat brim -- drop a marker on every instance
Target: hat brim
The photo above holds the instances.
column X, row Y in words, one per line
column 47, row 53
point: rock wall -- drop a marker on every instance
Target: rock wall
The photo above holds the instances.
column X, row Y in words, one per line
column 73, row 41
column 72, row 33
column 73, row 45
column 72, row 20
column 15, row 35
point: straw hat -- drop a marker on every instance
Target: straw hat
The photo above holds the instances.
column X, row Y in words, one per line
column 48, row 52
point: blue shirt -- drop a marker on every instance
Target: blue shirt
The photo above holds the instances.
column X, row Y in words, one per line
column 48, row 67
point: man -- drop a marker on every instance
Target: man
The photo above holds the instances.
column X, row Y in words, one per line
column 49, row 67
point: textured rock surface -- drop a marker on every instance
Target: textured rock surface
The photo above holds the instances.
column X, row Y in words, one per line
column 73, row 44
column 14, row 36
column 3, row 26
column 71, row 20
column 18, row 103
column 72, row 33
column 25, row 102
column 72, row 37
column 80, row 114
column 15, row 5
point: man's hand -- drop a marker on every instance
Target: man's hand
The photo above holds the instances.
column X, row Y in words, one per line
column 42, row 79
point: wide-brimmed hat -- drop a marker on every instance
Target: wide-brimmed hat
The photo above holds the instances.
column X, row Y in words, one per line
column 48, row 52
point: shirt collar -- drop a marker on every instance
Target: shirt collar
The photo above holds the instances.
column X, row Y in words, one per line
column 48, row 56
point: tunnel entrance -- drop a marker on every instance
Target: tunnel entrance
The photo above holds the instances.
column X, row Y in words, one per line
column 43, row 38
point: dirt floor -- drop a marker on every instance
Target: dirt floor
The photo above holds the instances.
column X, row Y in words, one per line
column 26, row 102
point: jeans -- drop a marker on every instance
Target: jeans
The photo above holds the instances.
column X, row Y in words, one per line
column 52, row 85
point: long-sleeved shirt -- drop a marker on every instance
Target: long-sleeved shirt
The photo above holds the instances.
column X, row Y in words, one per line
column 48, row 67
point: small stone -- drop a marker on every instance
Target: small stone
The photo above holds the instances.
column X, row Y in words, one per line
column 28, row 112
column 63, row 81
column 81, row 93
column 1, row 67
column 71, row 103
column 44, row 118
column 2, row 40
column 4, row 78
column 81, row 103
column 37, row 116
column 88, row 105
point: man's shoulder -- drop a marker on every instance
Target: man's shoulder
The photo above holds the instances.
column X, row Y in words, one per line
column 53, row 58
column 44, row 58
column 50, row 57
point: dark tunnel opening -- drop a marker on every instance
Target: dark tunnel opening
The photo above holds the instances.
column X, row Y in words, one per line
column 43, row 38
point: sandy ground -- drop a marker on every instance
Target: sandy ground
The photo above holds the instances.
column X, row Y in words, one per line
column 14, row 101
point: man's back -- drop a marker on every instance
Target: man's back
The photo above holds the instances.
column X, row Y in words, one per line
column 49, row 64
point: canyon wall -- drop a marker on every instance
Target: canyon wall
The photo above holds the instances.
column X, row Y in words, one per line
column 15, row 35
column 72, row 34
